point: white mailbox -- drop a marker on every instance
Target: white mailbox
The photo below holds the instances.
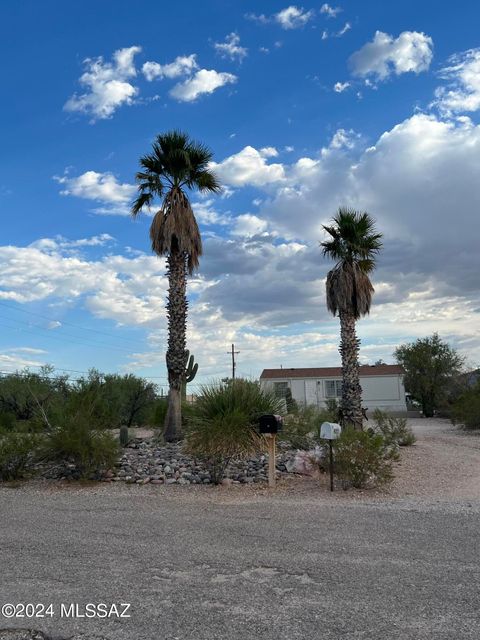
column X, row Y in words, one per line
column 330, row 430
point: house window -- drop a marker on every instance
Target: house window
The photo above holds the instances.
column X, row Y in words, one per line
column 280, row 389
column 333, row 388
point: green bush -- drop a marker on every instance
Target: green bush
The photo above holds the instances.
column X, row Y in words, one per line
column 76, row 442
column 7, row 421
column 242, row 395
column 466, row 409
column 223, row 421
column 158, row 413
column 216, row 440
column 362, row 459
column 394, row 430
column 302, row 428
column 16, row 451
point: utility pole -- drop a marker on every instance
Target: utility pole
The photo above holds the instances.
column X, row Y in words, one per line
column 234, row 353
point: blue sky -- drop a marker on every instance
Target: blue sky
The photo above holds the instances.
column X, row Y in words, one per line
column 306, row 108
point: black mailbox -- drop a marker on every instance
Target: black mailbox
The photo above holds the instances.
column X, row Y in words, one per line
column 270, row 423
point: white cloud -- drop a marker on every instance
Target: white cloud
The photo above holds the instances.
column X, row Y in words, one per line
column 268, row 152
column 410, row 52
column 260, row 19
column 340, row 87
column 292, row 17
column 329, row 11
column 336, row 34
column 128, row 290
column 207, row 215
column 249, row 166
column 343, row 139
column 204, row 81
column 463, row 91
column 103, row 188
column 411, row 180
column 249, row 225
column 181, row 66
column 346, row 27
column 107, row 85
column 231, row 47
column 49, row 245
column 13, row 360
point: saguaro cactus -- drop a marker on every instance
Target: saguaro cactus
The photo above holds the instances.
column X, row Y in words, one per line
column 124, row 435
column 190, row 373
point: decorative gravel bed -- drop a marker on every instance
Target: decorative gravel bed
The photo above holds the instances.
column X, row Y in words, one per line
column 146, row 461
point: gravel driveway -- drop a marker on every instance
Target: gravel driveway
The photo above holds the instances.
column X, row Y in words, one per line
column 245, row 563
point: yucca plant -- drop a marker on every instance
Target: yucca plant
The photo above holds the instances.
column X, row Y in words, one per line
column 223, row 424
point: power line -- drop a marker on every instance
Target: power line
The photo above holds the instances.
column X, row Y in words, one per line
column 40, row 315
column 77, row 339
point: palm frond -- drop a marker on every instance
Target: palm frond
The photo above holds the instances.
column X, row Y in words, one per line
column 142, row 200
column 354, row 244
column 174, row 228
column 175, row 162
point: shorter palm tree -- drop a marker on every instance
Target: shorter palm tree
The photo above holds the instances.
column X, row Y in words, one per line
column 354, row 245
column 175, row 166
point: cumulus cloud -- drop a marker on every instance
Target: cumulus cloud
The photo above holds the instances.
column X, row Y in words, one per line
column 249, row 166
column 340, row 87
column 181, row 66
column 291, row 17
column 12, row 360
column 412, row 180
column 336, row 34
column 127, row 290
column 249, row 225
column 462, row 94
column 410, row 52
column 231, row 48
column 103, row 188
column 203, row 81
column 329, row 11
column 107, row 85
column 206, row 214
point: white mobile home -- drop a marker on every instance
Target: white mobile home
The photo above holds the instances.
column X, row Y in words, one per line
column 382, row 385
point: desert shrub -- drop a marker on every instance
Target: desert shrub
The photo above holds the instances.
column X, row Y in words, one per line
column 223, row 421
column 394, row 430
column 242, row 395
column 76, row 442
column 158, row 412
column 302, row 428
column 291, row 403
column 331, row 407
column 361, row 459
column 7, row 421
column 466, row 409
column 16, row 451
column 218, row 439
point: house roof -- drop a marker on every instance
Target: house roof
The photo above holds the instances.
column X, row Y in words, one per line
column 334, row 372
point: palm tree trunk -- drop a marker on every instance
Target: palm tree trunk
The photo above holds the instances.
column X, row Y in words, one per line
column 176, row 356
column 351, row 405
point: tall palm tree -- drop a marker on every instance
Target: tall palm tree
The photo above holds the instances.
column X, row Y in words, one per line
column 354, row 245
column 175, row 166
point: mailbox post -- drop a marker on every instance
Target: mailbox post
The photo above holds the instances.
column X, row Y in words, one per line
column 330, row 431
column 270, row 425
